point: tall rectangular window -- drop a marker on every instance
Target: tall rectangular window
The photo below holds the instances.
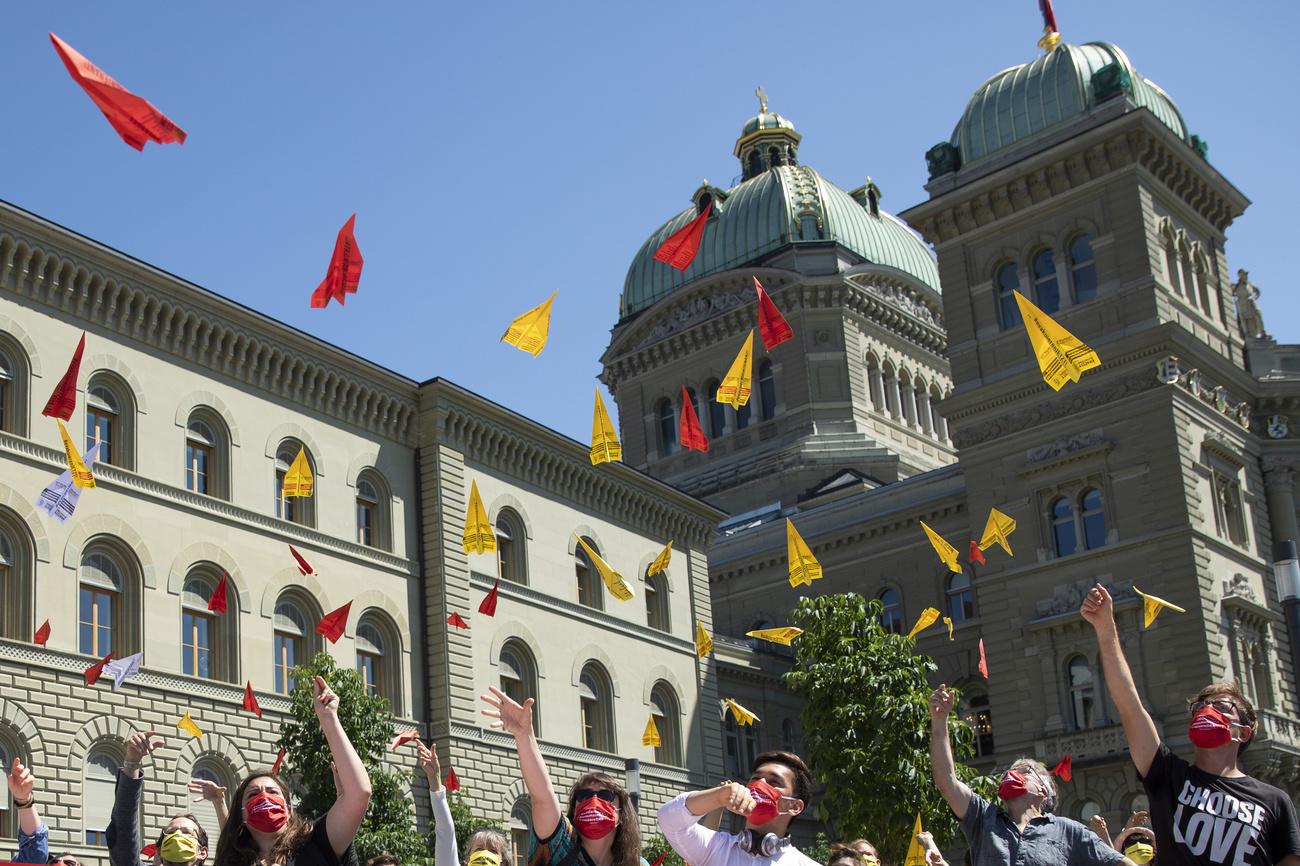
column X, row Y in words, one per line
column 95, row 627
column 197, row 631
column 99, row 431
column 368, row 666
column 288, row 654
column 198, row 467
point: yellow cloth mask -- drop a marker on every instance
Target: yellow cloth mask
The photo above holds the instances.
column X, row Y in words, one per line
column 179, row 847
column 484, row 857
column 1140, row 852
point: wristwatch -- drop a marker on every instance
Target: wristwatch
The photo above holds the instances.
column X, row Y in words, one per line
column 132, row 767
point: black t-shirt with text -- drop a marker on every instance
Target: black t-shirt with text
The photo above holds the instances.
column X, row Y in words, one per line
column 1200, row 818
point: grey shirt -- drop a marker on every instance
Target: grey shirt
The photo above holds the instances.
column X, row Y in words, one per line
column 995, row 840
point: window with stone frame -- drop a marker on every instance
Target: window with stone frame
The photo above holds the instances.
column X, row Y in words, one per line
column 1224, row 467
column 974, row 710
column 1075, row 514
column 1250, row 641
column 14, row 377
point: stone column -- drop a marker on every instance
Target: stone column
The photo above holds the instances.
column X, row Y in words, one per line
column 894, row 399
column 876, row 384
column 924, row 412
column 909, row 405
column 1279, row 489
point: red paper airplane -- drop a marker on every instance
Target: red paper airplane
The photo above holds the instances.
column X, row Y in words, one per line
column 976, row 555
column 149, row 850
column 134, row 118
column 772, row 326
column 63, row 401
column 279, row 759
column 344, row 273
column 455, row 620
column 333, row 623
column 93, row 672
column 659, row 861
column 984, row 664
column 682, row 245
column 1063, row 769
column 250, row 700
column 43, row 634
column 691, row 433
column 403, row 737
column 304, row 567
column 217, row 603
column 1049, row 22
column 453, row 783
column 488, row 607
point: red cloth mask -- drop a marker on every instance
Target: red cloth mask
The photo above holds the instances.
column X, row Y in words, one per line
column 1013, row 785
column 595, row 819
column 1209, row 729
column 266, row 812
column 766, row 799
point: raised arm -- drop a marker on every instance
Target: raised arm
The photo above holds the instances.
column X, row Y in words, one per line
column 517, row 719
column 214, row 794
column 1143, row 739
column 941, row 764
column 444, row 831
column 33, row 835
column 349, row 810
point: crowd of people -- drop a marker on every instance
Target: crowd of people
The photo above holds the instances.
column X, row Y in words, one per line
column 1205, row 812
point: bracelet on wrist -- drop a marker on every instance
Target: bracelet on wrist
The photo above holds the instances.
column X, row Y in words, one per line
column 31, row 801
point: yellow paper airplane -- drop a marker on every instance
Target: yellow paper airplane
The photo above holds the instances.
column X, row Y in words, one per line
column 915, row 853
column 997, row 530
column 736, row 384
column 81, row 474
column 743, row 716
column 1152, row 605
column 1061, row 355
column 187, row 725
column 804, row 567
column 298, row 480
column 618, row 587
column 928, row 616
column 479, row 534
column 946, row 551
column 703, row 643
column 948, row 622
column 776, row 635
column 661, row 561
column 528, row 332
column 604, row 441
column 651, row 735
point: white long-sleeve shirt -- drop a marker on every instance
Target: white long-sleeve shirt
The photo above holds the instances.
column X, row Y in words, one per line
column 701, row 846
column 444, row 831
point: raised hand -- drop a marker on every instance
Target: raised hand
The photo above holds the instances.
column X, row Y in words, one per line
column 736, row 798
column 941, row 702
column 1098, row 607
column 21, row 782
column 324, row 701
column 516, row 718
column 1137, row 819
column 428, row 756
column 206, row 790
column 142, row 743
column 1098, row 825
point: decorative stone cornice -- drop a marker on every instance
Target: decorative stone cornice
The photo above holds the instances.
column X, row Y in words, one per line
column 86, row 281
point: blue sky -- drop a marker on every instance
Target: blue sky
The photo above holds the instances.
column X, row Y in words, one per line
column 496, row 153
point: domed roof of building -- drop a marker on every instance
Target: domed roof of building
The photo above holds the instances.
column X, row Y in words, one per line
column 766, row 120
column 1025, row 100
column 770, row 211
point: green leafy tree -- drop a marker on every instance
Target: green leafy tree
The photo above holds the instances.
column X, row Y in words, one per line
column 653, row 846
column 389, row 827
column 866, row 725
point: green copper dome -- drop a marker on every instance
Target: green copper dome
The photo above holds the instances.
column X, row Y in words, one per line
column 1063, row 84
column 783, row 206
column 766, row 120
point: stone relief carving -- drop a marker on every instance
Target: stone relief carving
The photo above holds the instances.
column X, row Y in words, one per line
column 1240, row 587
column 1063, row 445
column 1069, row 597
column 688, row 314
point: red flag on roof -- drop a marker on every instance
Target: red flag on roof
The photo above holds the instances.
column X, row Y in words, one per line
column 43, row 634
column 976, row 555
column 452, row 783
column 682, row 245
column 692, row 434
column 344, row 274
column 455, row 620
column 333, row 623
column 250, row 700
column 217, row 604
column 984, row 664
column 1049, row 17
column 134, row 118
column 64, row 399
column 149, row 850
column 403, row 737
column 1063, row 769
column 279, row 759
column 304, row 567
column 772, row 326
column 488, row 607
column 93, row 672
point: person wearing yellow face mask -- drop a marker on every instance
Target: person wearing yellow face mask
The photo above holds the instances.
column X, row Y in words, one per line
column 1137, row 844
column 182, row 842
column 486, row 847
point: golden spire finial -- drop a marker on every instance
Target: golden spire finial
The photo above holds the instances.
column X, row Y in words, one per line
column 762, row 100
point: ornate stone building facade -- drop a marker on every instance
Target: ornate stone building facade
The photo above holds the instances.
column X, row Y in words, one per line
column 200, row 405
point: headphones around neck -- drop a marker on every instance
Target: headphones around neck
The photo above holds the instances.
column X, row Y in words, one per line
column 766, row 846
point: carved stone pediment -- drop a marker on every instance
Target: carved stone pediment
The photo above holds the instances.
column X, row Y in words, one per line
column 1063, row 445
column 694, row 311
column 1068, row 597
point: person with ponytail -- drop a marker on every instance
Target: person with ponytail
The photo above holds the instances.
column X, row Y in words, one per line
column 599, row 828
column 264, row 830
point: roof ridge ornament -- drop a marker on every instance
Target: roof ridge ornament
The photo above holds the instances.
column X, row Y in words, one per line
column 1051, row 37
column 762, row 100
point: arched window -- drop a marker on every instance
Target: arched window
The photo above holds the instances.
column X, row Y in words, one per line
column 14, row 379
column 1088, row 810
column 891, row 619
column 717, row 411
column 370, row 657
column 379, row 657
column 374, row 510
column 101, row 591
column 1063, row 532
column 512, row 549
column 743, row 414
column 596, row 707
column 980, row 719
column 98, row 789
column 1190, row 284
column 667, row 427
column 590, row 586
column 198, row 628
column 200, row 447
column 1007, row 283
column 290, row 643
column 873, row 200
column 667, row 716
column 1171, row 265
column 210, row 770
column 367, row 504
column 521, row 823
column 875, row 383
column 787, row 735
column 961, row 605
column 1082, row 702
column 1140, row 803
column 1083, row 269
column 6, row 391
column 755, row 168
column 1094, row 519
column 703, row 203
column 766, row 391
column 295, row 509
column 1046, row 290
column 774, row 156
column 102, row 410
column 519, row 675
column 656, row 603
column 7, row 564
column 742, row 748
column 17, row 560
column 695, row 404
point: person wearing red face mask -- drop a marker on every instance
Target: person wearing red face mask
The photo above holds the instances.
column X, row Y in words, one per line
column 1207, row 811
column 1023, row 829
column 600, row 827
column 779, row 788
column 263, row 830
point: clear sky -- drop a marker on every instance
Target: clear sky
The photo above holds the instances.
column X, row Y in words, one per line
column 496, row 153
